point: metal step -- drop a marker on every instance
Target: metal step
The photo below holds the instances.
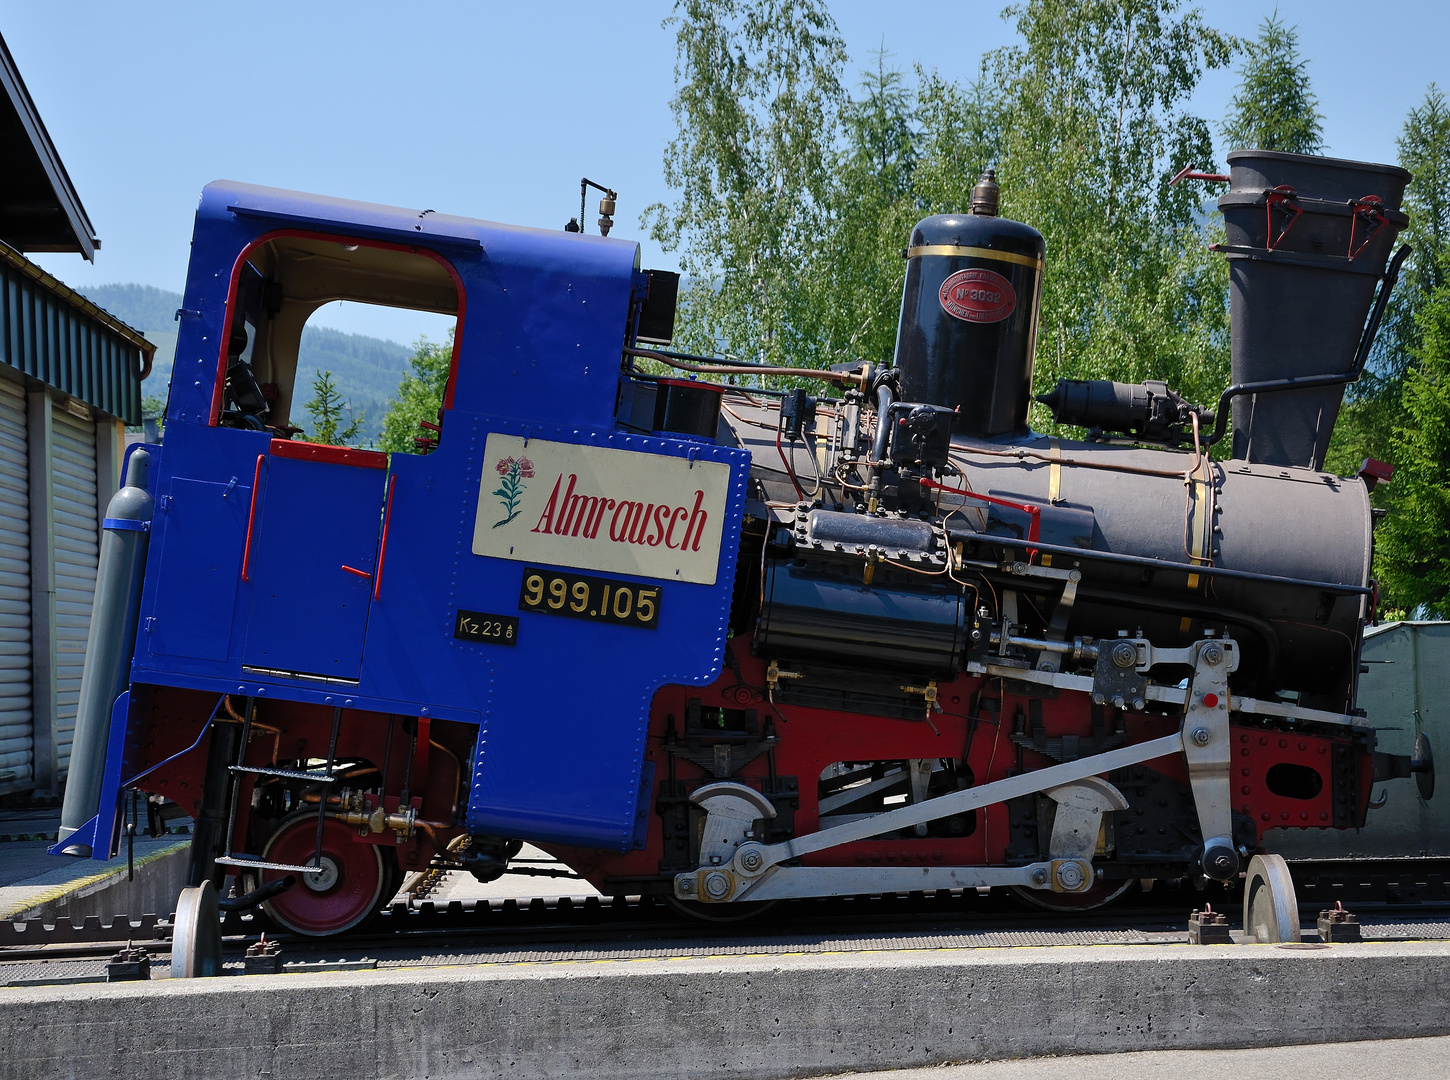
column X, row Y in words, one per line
column 287, row 774
column 262, row 864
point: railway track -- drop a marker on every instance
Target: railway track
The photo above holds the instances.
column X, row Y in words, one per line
column 1394, row 902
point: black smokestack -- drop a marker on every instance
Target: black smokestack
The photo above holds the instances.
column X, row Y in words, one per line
column 1308, row 239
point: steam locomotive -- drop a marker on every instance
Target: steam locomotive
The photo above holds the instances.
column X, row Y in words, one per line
column 739, row 634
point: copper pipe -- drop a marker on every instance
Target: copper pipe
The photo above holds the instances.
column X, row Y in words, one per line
column 457, row 774
column 1107, row 466
column 743, row 369
column 268, row 729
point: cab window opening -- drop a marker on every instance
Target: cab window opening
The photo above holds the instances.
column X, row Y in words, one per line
column 268, row 381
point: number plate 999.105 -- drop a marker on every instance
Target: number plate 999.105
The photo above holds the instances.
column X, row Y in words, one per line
column 624, row 603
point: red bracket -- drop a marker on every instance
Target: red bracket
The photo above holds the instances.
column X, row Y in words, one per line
column 1286, row 199
column 1371, row 210
column 1034, row 513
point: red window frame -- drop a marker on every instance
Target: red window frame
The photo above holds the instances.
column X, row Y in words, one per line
column 339, row 238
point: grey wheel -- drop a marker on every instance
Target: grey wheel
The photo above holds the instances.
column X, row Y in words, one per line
column 196, row 937
column 720, row 913
column 1271, row 910
column 1100, row 895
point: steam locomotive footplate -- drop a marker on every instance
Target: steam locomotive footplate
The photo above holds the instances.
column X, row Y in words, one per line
column 489, row 629
column 624, row 603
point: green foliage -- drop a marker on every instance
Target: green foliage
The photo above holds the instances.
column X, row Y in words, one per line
column 1375, row 404
column 1093, row 125
column 758, row 101
column 419, row 397
column 1412, row 552
column 1424, row 146
column 852, row 279
column 1274, row 108
column 367, row 368
column 796, row 201
column 328, row 409
column 152, row 406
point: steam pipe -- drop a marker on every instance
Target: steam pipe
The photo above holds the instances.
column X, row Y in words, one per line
column 257, row 895
column 710, row 365
column 1392, row 275
column 1308, row 382
column 884, row 400
column 1006, row 542
column 1361, row 357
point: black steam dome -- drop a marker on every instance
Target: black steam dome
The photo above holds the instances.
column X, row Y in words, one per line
column 969, row 316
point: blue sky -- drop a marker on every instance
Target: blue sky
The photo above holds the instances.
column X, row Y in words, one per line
column 495, row 110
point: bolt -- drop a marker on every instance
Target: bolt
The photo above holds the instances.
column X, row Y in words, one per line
column 717, row 885
column 1212, row 654
column 1138, row 704
column 1201, row 736
column 686, row 885
column 1119, row 701
column 1125, row 654
column 1070, row 876
column 751, row 860
column 1039, row 876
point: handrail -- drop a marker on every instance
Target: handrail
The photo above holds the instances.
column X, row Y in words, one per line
column 383, row 544
column 252, row 520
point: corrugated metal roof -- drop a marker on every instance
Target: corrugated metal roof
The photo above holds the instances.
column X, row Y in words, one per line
column 54, row 334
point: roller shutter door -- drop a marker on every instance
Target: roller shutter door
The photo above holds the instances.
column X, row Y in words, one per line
column 73, row 479
column 17, row 730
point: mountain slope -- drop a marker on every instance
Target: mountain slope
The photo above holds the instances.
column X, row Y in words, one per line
column 365, row 369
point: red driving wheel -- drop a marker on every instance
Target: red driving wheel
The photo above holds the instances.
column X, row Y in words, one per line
column 348, row 889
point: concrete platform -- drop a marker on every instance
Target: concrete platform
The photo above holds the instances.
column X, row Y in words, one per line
column 34, row 885
column 763, row 1017
column 1424, row 1057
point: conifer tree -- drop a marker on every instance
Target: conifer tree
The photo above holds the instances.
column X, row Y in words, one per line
column 1413, row 542
column 1274, row 108
column 328, row 409
column 1374, row 405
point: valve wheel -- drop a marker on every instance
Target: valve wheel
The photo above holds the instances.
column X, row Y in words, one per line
column 347, row 892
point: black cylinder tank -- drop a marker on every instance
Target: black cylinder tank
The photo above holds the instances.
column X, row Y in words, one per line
column 969, row 320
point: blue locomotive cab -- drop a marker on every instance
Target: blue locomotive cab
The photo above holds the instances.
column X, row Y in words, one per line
column 336, row 602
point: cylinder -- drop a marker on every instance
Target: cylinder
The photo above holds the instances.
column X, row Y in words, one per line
column 819, row 612
column 1250, row 518
column 968, row 329
column 110, row 643
column 1307, row 242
